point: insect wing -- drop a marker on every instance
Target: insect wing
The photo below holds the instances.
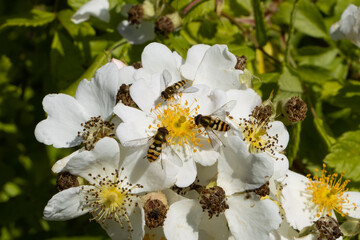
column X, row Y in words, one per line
column 190, row 90
column 222, row 111
column 214, row 139
column 136, row 142
column 165, row 79
column 175, row 158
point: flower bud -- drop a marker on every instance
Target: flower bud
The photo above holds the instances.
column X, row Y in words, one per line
column 293, row 110
column 327, row 228
column 155, row 206
column 66, row 180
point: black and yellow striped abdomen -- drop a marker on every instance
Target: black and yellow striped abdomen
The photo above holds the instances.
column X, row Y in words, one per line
column 154, row 151
column 179, row 84
column 219, row 125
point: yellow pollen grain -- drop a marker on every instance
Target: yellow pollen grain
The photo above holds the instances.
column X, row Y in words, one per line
column 328, row 193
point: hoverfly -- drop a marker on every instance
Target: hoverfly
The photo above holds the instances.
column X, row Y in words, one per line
column 215, row 121
column 156, row 146
column 169, row 91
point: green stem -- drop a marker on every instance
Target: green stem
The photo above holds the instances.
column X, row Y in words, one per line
column 291, row 33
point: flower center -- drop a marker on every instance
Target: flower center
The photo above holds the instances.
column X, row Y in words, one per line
column 94, row 130
column 213, row 200
column 178, row 120
column 66, row 180
column 135, row 14
column 255, row 132
column 164, row 26
column 109, row 198
column 327, row 193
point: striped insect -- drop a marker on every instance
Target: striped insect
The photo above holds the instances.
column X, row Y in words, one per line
column 157, row 146
column 215, row 122
column 180, row 86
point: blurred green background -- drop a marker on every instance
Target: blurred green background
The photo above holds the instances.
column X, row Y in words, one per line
column 287, row 45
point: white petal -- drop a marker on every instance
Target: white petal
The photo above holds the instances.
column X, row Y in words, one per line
column 96, row 8
column 118, row 63
column 217, row 69
column 182, row 221
column 106, row 154
column 98, row 96
column 126, row 75
column 279, row 128
column 64, row 205
column 193, row 59
column 239, row 170
column 133, row 134
column 63, row 123
column 251, row 219
column 128, row 114
column 145, row 92
column 137, row 220
column 206, row 157
column 186, row 174
column 157, row 57
column 246, row 101
column 179, row 60
column 214, row 228
column 151, row 175
column 137, row 34
column 354, row 198
column 294, row 194
column 281, row 166
column 60, row 164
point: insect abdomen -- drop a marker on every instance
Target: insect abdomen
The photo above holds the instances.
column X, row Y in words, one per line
column 219, row 125
column 154, row 151
column 180, row 84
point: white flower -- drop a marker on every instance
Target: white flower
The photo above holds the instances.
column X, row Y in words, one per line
column 109, row 197
column 349, row 25
column 95, row 8
column 257, row 135
column 213, row 66
column 84, row 118
column 316, row 197
column 186, row 143
column 220, row 213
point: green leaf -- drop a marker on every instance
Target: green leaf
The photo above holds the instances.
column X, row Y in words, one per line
column 345, row 155
column 317, row 56
column 5, row 65
column 290, row 82
column 75, row 30
column 66, row 61
column 34, row 18
column 308, row 20
column 199, row 11
column 348, row 96
column 259, row 23
column 324, row 131
column 76, row 4
column 313, row 74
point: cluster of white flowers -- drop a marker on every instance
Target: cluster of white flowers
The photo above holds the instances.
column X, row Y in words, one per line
column 184, row 149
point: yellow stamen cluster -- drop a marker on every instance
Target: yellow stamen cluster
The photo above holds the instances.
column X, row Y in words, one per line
column 109, row 198
column 328, row 193
column 178, row 119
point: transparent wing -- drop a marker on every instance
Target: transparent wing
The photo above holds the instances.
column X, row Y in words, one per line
column 222, row 111
column 137, row 142
column 190, row 90
column 214, row 139
column 175, row 158
column 165, row 79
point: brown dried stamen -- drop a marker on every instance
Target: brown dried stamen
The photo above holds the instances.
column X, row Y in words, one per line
column 241, row 62
column 155, row 213
column 328, row 228
column 94, row 130
column 213, row 200
column 164, row 26
column 262, row 113
column 123, row 95
column 296, row 109
column 262, row 191
column 135, row 14
column 137, row 65
column 66, row 180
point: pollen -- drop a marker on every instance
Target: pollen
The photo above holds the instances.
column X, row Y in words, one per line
column 110, row 197
column 328, row 193
column 255, row 133
column 178, row 120
column 94, row 130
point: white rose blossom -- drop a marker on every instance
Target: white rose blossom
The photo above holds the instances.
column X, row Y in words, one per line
column 348, row 27
column 95, row 8
column 220, row 213
column 315, row 198
column 258, row 137
column 109, row 197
